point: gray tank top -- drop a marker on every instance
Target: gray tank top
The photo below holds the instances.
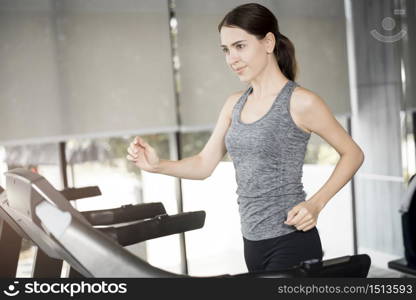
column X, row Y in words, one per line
column 268, row 157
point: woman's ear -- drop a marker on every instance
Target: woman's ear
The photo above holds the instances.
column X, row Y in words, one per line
column 270, row 41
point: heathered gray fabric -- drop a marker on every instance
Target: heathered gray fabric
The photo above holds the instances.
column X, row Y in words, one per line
column 268, row 157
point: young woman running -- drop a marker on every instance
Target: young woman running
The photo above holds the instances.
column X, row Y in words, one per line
column 265, row 130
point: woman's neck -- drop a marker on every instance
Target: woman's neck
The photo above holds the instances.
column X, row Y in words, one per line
column 269, row 82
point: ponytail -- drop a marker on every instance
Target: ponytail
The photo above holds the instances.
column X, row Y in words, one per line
column 284, row 52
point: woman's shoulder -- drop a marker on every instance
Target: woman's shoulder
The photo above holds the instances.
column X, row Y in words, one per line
column 308, row 109
column 304, row 100
column 235, row 96
column 233, row 99
column 227, row 108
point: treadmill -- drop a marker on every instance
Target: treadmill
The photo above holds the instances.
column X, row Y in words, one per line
column 36, row 210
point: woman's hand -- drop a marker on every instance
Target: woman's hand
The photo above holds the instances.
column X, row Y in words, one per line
column 304, row 216
column 143, row 155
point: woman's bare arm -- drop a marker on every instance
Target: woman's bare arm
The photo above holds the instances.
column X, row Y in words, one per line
column 311, row 114
column 199, row 166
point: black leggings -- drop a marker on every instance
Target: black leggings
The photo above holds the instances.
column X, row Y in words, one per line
column 282, row 252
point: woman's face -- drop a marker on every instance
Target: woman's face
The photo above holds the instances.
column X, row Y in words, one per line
column 244, row 53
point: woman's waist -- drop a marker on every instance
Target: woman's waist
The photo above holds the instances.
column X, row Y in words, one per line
column 275, row 189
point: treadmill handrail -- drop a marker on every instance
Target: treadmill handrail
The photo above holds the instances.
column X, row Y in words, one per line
column 81, row 193
column 124, row 214
column 108, row 260
column 156, row 227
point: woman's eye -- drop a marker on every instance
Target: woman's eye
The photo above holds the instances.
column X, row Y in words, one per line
column 240, row 46
column 225, row 50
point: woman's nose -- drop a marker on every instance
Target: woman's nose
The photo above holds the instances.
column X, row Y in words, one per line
column 233, row 57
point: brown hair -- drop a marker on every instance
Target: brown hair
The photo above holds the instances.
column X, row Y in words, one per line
column 258, row 21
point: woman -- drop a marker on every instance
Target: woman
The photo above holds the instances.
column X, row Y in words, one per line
column 265, row 130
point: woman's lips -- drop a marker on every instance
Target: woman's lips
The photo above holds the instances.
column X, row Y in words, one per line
column 239, row 70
